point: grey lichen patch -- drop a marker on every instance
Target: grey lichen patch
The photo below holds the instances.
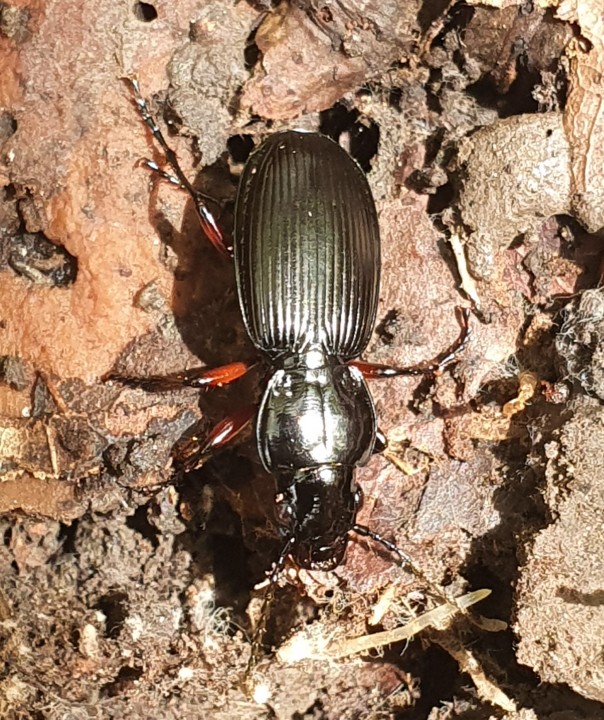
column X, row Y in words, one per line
column 516, row 174
column 207, row 74
column 560, row 586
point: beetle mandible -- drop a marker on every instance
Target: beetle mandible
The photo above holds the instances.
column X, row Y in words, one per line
column 306, row 250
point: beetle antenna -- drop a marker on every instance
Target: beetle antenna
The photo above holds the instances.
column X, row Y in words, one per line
column 405, row 559
column 269, row 595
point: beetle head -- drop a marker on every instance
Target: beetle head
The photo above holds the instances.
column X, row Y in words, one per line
column 317, row 510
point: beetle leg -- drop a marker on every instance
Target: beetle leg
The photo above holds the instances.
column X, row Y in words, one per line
column 435, row 367
column 208, row 223
column 405, row 559
column 260, row 630
column 190, row 453
column 199, row 378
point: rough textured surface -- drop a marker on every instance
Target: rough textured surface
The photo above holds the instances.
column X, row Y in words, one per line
column 516, row 174
column 302, row 68
column 584, row 114
column 580, row 343
column 559, row 593
column 210, row 68
column 127, row 591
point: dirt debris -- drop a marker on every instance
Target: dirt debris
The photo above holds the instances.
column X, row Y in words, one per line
column 559, row 592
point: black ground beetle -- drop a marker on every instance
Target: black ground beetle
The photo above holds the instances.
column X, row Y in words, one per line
column 306, row 248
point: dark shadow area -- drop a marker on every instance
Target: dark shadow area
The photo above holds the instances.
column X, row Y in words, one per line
column 115, row 607
column 124, row 682
column 362, row 134
column 251, row 54
column 140, row 522
column 432, row 11
column 67, row 537
column 240, row 147
column 517, row 101
column 229, row 499
column 145, row 12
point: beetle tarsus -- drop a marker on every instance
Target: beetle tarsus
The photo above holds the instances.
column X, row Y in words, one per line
column 406, row 559
column 463, row 315
column 373, row 371
column 208, row 223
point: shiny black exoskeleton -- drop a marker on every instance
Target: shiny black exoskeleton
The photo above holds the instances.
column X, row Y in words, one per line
column 307, row 258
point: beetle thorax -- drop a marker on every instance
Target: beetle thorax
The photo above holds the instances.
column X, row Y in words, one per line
column 315, row 411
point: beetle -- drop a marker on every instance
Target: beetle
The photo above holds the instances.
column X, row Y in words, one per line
column 306, row 250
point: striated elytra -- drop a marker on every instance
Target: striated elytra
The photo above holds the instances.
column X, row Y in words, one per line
column 307, row 260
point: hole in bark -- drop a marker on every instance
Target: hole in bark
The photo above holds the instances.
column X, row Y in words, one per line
column 517, row 99
column 230, row 571
column 430, row 12
column 140, row 522
column 388, row 327
column 358, row 134
column 251, row 54
column 438, row 679
column 8, row 125
column 240, row 146
column 114, row 607
column 441, row 199
column 67, row 536
column 35, row 257
column 145, row 12
column 325, row 15
column 123, row 682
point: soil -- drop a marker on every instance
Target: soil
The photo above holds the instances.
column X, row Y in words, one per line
column 130, row 590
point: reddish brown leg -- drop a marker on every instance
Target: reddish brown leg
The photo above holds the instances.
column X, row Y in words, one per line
column 190, row 453
column 196, row 378
column 208, row 223
column 435, row 367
